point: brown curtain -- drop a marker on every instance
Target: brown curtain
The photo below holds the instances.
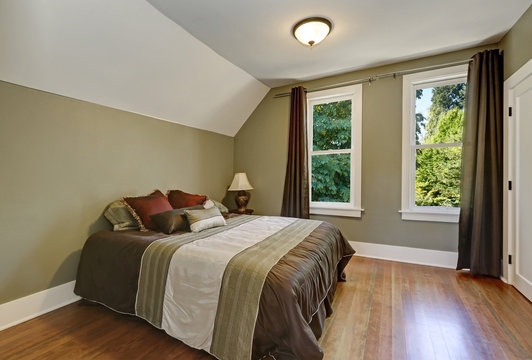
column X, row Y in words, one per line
column 480, row 227
column 296, row 187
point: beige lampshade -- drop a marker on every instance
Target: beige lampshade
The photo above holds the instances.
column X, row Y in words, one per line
column 240, row 182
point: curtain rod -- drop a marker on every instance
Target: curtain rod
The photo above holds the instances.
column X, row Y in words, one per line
column 373, row 78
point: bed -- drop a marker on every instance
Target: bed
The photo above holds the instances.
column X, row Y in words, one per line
column 258, row 286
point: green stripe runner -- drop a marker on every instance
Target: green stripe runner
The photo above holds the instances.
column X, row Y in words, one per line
column 242, row 284
column 154, row 268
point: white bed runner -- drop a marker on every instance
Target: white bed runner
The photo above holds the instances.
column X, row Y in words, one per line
column 195, row 277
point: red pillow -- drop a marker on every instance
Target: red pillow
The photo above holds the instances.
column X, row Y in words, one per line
column 180, row 199
column 142, row 207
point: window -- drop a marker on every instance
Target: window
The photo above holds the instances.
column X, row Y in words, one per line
column 433, row 108
column 334, row 119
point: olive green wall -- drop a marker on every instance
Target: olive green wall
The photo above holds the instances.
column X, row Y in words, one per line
column 261, row 151
column 517, row 44
column 63, row 160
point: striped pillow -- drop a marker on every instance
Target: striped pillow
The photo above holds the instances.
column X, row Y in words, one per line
column 118, row 215
column 204, row 219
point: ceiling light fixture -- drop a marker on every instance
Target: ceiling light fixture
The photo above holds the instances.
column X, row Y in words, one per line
column 312, row 31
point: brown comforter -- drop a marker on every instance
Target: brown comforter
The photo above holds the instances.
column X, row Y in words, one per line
column 295, row 299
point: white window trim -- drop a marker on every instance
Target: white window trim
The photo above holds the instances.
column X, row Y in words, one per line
column 411, row 83
column 353, row 93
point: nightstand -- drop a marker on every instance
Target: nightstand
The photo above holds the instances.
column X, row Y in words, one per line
column 247, row 212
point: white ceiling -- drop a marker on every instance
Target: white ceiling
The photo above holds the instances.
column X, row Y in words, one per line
column 256, row 35
column 127, row 55
column 196, row 62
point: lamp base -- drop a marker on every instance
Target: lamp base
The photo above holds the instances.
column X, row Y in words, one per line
column 241, row 200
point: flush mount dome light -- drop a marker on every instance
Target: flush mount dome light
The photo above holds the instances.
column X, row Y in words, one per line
column 312, row 31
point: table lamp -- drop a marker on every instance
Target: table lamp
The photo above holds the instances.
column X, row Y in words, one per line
column 241, row 184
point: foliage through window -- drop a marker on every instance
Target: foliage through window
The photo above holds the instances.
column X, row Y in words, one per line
column 331, row 173
column 432, row 143
column 439, row 145
column 334, row 120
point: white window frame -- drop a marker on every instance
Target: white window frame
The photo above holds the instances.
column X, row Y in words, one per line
column 353, row 93
column 411, row 83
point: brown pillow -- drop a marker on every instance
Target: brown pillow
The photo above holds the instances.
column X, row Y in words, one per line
column 142, row 207
column 173, row 220
column 180, row 199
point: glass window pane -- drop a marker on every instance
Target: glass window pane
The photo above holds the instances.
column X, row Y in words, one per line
column 438, row 176
column 331, row 177
column 439, row 114
column 331, row 125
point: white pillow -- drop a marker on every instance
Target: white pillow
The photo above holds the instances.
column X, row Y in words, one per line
column 204, row 219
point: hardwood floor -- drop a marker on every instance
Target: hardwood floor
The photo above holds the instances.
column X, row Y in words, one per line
column 385, row 310
column 391, row 310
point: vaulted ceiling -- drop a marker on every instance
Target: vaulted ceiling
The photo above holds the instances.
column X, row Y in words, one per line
column 256, row 35
column 124, row 54
column 207, row 64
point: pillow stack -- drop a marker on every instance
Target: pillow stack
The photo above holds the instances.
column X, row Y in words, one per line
column 177, row 211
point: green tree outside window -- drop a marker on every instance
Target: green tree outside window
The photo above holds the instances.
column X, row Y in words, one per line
column 331, row 173
column 438, row 170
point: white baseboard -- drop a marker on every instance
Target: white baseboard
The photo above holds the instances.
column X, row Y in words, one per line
column 31, row 306
column 446, row 259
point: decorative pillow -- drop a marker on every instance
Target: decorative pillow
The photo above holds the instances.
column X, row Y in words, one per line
column 118, row 214
column 173, row 220
column 204, row 219
column 220, row 206
column 142, row 207
column 180, row 199
column 210, row 203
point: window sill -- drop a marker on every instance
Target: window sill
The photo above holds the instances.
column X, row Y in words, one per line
column 337, row 212
column 434, row 215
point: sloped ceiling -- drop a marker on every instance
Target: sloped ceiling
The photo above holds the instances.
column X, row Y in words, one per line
column 127, row 55
column 256, row 35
